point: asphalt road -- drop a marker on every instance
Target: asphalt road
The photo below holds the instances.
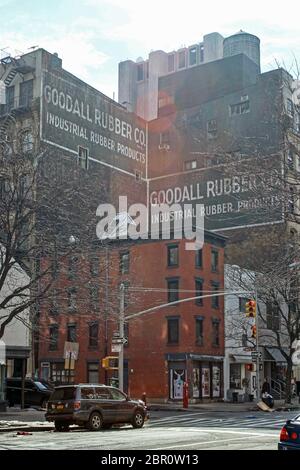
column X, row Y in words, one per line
column 166, row 431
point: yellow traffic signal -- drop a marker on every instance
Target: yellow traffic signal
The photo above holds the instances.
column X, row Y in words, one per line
column 110, row 362
column 251, row 308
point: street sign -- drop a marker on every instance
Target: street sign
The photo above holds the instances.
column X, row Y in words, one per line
column 116, row 347
column 296, row 358
column 119, row 340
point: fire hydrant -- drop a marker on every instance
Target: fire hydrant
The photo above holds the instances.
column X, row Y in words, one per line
column 185, row 395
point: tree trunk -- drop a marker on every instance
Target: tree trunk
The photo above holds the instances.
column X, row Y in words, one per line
column 288, row 376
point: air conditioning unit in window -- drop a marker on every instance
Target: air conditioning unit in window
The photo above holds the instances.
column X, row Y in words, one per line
column 164, row 147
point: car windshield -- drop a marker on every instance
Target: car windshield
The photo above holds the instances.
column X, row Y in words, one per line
column 67, row 393
column 40, row 386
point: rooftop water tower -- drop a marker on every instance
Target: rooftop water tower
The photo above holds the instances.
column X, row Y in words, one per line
column 242, row 43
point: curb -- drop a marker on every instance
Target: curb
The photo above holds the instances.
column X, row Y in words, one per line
column 27, row 429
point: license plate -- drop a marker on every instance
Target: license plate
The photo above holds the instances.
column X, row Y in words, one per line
column 60, row 407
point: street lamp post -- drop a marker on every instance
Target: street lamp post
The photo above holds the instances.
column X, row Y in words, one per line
column 257, row 345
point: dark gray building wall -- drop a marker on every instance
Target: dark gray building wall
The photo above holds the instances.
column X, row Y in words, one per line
column 208, row 82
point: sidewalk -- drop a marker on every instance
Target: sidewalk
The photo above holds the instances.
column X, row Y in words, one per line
column 220, row 407
column 30, row 419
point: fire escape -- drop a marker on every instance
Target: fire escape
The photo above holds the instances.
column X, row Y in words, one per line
column 9, row 111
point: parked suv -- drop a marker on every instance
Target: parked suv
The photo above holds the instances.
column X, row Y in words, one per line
column 93, row 406
column 35, row 393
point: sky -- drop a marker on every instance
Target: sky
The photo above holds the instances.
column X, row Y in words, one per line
column 93, row 36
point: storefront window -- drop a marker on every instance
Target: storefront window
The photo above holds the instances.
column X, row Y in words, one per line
column 235, row 376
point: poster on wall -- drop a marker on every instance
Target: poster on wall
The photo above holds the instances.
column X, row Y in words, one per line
column 177, row 380
column 205, row 382
column 196, row 382
column 216, row 381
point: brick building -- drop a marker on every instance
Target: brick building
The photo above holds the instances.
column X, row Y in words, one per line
column 180, row 342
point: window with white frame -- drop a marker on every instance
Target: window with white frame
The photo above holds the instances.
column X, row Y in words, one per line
column 191, row 165
column 83, row 157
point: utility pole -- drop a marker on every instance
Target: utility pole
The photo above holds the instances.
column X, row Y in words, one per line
column 257, row 345
column 121, row 335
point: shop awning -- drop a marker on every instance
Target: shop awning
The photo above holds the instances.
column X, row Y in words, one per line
column 276, row 355
column 242, row 359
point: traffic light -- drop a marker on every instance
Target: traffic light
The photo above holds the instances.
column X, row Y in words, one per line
column 110, row 362
column 253, row 331
column 251, row 308
column 249, row 367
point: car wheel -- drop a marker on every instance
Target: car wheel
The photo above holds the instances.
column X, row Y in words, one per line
column 95, row 421
column 138, row 420
column 60, row 427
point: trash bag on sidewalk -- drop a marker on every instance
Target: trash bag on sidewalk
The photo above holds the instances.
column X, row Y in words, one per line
column 268, row 399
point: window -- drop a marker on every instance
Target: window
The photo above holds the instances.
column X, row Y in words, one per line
column 54, row 267
column 297, row 123
column 27, row 142
column 124, row 263
column 93, row 335
column 199, row 331
column 83, row 157
column 240, row 108
column 117, row 395
column 10, row 97
column 164, row 138
column 215, row 299
column 94, row 296
column 291, row 200
column 93, row 373
column 273, row 316
column 290, row 158
column 289, row 107
column 173, row 255
column 212, row 128
column 140, row 72
column 173, row 330
column 71, row 333
column 198, row 258
column 53, row 334
column 94, row 266
column 181, row 59
column 235, row 376
column 198, row 291
column 54, row 302
column 171, row 62
column 102, row 393
column 191, row 165
column 72, row 269
column 214, row 260
column 201, row 53
column 215, row 333
column 173, row 286
column 72, row 297
column 193, row 56
column 26, row 93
